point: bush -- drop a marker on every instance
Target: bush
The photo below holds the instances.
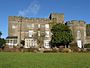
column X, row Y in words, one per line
column 74, row 47
column 30, row 49
column 47, row 50
column 66, row 50
column 87, row 46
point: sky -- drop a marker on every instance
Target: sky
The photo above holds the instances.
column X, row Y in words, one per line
column 72, row 9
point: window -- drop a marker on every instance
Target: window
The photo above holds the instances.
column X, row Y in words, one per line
column 38, row 33
column 13, row 26
column 35, row 26
column 30, row 25
column 47, row 33
column 15, row 41
column 38, row 25
column 47, row 26
column 30, row 33
column 69, row 24
column 46, row 43
column 78, row 34
column 43, row 26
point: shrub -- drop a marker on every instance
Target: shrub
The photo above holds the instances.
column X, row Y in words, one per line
column 87, row 46
column 66, row 50
column 74, row 47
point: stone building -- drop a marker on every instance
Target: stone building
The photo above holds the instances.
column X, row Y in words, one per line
column 35, row 31
column 78, row 31
column 87, row 33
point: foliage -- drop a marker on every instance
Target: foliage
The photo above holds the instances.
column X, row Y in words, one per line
column 2, row 42
column 73, row 47
column 66, row 50
column 0, row 34
column 23, row 42
column 44, row 60
column 88, row 29
column 62, row 35
column 87, row 46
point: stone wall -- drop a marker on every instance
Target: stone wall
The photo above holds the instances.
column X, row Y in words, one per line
column 78, row 30
column 20, row 26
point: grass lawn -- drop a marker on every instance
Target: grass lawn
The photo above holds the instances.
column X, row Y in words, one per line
column 44, row 60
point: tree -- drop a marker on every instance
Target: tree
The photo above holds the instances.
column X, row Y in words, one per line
column 62, row 35
column 0, row 34
column 2, row 42
column 22, row 42
column 88, row 29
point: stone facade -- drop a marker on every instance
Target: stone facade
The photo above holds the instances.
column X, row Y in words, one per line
column 27, row 28
column 78, row 31
column 87, row 33
column 37, row 30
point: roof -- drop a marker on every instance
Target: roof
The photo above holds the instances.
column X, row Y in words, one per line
column 11, row 37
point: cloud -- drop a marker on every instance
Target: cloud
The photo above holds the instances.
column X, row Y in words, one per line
column 33, row 9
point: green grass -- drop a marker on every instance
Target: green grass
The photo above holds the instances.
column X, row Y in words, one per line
column 44, row 60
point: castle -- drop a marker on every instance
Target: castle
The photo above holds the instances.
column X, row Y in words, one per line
column 37, row 30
